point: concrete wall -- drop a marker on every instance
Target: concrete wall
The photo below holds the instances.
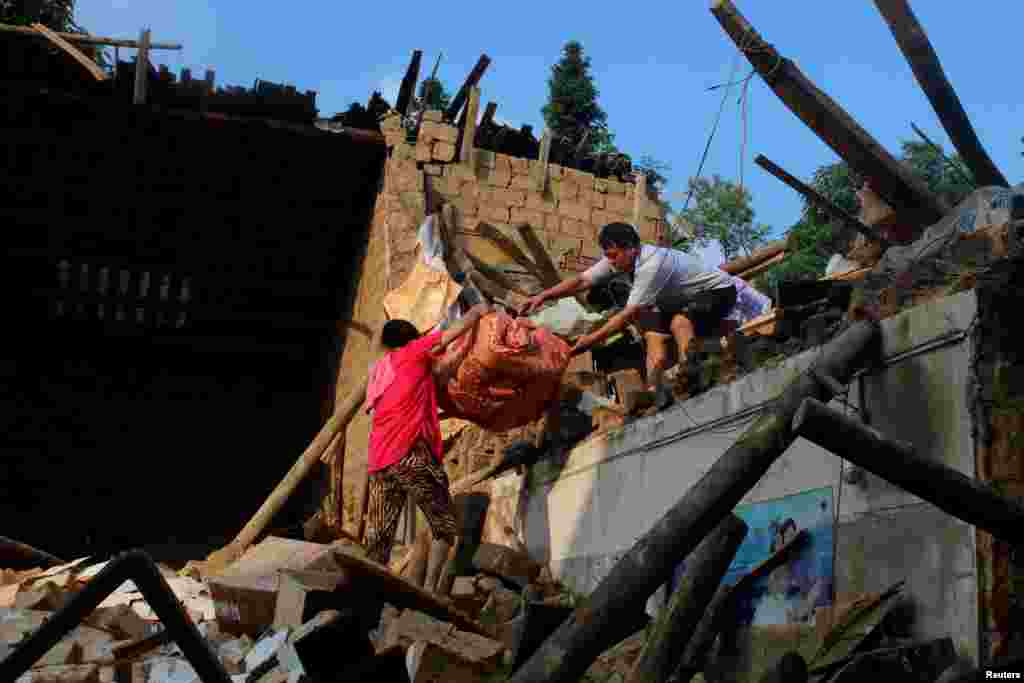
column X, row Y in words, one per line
column 616, row 485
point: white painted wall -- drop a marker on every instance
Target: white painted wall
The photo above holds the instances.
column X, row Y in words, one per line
column 617, row 485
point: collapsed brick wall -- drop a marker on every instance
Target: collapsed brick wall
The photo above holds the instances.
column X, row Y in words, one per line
column 122, row 434
column 494, row 188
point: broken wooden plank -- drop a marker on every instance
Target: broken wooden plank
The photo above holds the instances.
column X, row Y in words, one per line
column 405, row 595
column 898, row 462
column 17, row 555
column 567, row 654
column 494, row 274
column 86, row 39
column 821, row 202
column 405, row 91
column 924, row 62
column 763, row 266
column 899, row 187
column 705, row 568
column 540, row 181
column 471, row 81
column 141, row 68
column 92, row 67
column 468, row 132
column 755, row 258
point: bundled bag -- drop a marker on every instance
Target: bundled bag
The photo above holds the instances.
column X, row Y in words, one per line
column 503, row 374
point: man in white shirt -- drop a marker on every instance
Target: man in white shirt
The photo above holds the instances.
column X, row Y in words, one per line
column 673, row 297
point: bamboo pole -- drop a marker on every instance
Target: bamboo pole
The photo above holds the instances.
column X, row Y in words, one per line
column 86, row 39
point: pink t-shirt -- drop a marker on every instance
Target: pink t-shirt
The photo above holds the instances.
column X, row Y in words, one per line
column 407, row 409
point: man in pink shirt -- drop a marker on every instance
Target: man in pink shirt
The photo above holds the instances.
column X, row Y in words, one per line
column 405, row 455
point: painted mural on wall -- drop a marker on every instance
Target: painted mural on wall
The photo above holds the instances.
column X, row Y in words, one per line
column 791, row 593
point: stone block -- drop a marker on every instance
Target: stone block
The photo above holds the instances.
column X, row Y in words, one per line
column 602, row 217
column 601, row 185
column 570, row 209
column 466, row 205
column 433, row 115
column 594, row 199
column 433, row 169
column 463, row 172
column 446, row 133
column 508, row 197
column 470, row 189
column 503, row 161
column 494, row 212
column 403, row 151
column 443, row 151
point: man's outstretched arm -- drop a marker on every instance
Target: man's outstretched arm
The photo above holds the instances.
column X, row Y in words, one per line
column 471, row 318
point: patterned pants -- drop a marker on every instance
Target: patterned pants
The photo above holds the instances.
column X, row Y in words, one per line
column 421, row 476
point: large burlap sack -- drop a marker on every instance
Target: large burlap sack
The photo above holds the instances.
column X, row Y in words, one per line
column 503, row 374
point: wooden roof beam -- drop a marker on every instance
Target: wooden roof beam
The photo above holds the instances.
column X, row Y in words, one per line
column 86, row 39
column 897, row 185
column 924, row 62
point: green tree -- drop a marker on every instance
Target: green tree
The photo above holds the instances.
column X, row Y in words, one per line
column 572, row 111
column 57, row 15
column 815, row 237
column 720, row 210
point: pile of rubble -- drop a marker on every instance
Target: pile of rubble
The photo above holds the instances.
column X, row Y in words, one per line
column 287, row 610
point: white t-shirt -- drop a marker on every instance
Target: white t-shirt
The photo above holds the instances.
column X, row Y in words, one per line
column 666, row 278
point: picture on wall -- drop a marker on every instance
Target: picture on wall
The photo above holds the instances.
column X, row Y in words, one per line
column 791, row 593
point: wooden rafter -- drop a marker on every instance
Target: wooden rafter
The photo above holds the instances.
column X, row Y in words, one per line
column 86, row 39
column 897, row 185
column 92, row 67
column 924, row 62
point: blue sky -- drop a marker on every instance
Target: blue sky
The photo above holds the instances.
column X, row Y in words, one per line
column 652, row 65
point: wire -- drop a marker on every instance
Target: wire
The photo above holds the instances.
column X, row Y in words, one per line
column 714, row 126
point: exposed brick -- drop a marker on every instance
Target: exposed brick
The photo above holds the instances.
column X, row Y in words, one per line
column 484, row 159
column 615, row 186
column 433, row 169
column 565, row 191
column 470, row 190
column 443, row 151
column 601, row 217
column 468, row 206
column 618, row 204
column 581, row 177
column 503, row 162
column 651, row 209
column 601, row 185
column 498, row 177
column 433, row 115
column 580, row 212
column 428, row 131
column 594, row 199
column 403, row 152
column 573, row 227
column 535, row 218
column 521, row 182
column 494, row 212
column 554, row 170
column 537, row 202
column 422, row 151
column 446, row 133
column 463, row 172
column 511, row 197
column 519, row 165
